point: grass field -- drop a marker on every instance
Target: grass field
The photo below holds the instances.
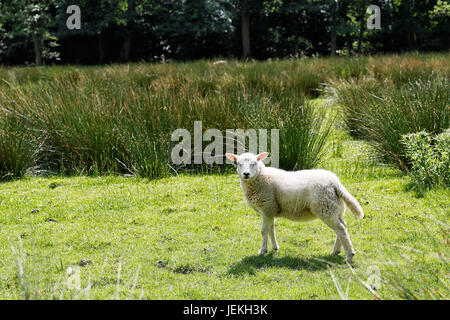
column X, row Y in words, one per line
column 91, row 208
column 192, row 237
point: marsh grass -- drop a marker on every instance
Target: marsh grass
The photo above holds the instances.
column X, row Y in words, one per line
column 382, row 113
column 177, row 237
column 16, row 147
column 119, row 118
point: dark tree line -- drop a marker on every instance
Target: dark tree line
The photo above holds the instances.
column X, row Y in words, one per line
column 34, row 31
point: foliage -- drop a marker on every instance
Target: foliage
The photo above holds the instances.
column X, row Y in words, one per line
column 186, row 29
column 430, row 161
column 120, row 118
column 381, row 112
column 441, row 9
column 16, row 148
column 30, row 20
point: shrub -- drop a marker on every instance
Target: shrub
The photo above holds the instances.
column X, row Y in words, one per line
column 429, row 157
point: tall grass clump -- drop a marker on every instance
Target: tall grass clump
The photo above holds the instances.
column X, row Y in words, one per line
column 304, row 133
column 16, row 146
column 303, row 130
column 382, row 113
column 407, row 68
column 119, row 119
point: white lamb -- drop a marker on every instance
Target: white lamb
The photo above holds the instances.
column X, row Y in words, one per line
column 297, row 195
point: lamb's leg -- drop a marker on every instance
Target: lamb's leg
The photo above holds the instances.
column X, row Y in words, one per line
column 273, row 239
column 267, row 223
column 342, row 234
column 337, row 243
column 337, row 246
column 329, row 212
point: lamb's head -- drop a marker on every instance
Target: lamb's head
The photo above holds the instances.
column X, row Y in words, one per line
column 247, row 164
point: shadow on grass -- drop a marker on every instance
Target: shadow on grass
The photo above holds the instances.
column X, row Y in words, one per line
column 251, row 264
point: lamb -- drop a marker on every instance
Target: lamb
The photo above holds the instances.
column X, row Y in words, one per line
column 296, row 195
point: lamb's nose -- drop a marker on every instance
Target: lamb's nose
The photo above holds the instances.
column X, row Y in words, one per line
column 246, row 174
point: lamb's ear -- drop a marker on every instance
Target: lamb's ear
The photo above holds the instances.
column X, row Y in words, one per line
column 262, row 156
column 231, row 156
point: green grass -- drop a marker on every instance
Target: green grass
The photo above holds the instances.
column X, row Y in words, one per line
column 381, row 113
column 117, row 118
column 192, row 237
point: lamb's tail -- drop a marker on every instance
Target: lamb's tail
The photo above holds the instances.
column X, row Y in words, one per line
column 351, row 202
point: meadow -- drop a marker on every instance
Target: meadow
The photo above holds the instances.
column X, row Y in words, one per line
column 90, row 206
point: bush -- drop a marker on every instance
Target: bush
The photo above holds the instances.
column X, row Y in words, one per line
column 430, row 160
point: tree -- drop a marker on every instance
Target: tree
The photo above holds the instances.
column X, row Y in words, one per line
column 190, row 27
column 362, row 22
column 345, row 19
column 245, row 29
column 98, row 17
column 333, row 17
column 31, row 20
column 129, row 23
column 130, row 30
